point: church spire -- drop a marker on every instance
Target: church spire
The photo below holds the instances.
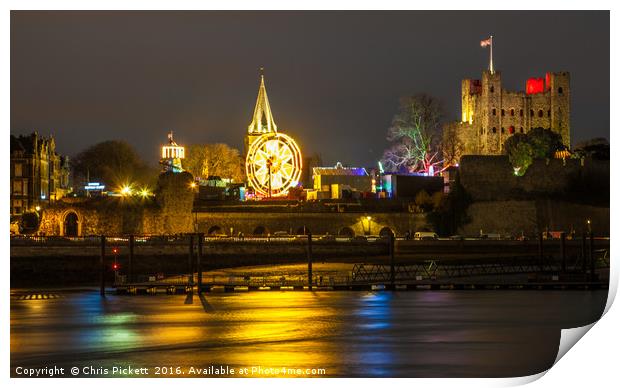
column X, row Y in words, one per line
column 262, row 120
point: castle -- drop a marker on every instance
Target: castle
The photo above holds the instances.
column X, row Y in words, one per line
column 491, row 114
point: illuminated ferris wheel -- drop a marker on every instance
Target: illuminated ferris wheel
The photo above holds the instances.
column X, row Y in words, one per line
column 273, row 164
column 273, row 160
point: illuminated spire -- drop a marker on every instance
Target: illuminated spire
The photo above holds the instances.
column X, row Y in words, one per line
column 262, row 121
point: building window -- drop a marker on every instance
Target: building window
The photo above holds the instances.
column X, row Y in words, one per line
column 18, row 170
column 503, row 113
column 548, row 112
column 492, row 89
column 481, row 131
column 560, row 90
column 494, row 112
column 532, row 112
column 512, row 112
column 521, row 112
column 494, row 130
column 511, row 130
column 17, row 206
column 17, row 187
column 540, row 113
column 521, row 130
column 503, row 130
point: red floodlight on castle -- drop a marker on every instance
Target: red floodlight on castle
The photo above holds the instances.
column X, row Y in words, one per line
column 535, row 85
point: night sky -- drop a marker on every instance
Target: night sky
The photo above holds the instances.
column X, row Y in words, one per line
column 333, row 78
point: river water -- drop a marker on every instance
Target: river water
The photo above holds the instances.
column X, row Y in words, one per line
column 371, row 334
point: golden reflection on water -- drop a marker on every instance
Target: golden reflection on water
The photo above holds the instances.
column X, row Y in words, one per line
column 282, row 329
column 347, row 333
column 259, row 329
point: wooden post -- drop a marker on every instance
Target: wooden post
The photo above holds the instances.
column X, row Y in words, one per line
column 592, row 259
column 309, row 252
column 190, row 258
column 130, row 264
column 583, row 252
column 540, row 250
column 102, row 268
column 201, row 237
column 563, row 250
column 392, row 274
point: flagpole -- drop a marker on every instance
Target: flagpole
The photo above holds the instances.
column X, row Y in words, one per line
column 491, row 57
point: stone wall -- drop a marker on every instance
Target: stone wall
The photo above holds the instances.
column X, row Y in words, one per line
column 529, row 217
column 117, row 216
column 316, row 223
column 169, row 212
column 110, row 216
column 175, row 198
column 491, row 178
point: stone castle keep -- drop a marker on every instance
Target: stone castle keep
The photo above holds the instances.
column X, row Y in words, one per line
column 490, row 114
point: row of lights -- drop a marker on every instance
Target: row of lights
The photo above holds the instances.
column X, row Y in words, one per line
column 127, row 191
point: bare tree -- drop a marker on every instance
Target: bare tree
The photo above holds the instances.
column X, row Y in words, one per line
column 414, row 135
column 451, row 145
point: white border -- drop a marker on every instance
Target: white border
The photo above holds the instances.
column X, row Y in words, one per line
column 591, row 363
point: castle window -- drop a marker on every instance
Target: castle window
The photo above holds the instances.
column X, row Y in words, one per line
column 532, row 112
column 492, row 89
column 521, row 129
column 560, row 90
column 494, row 112
column 503, row 113
column 540, row 113
column 548, row 112
column 494, row 130
column 512, row 112
column 521, row 112
column 481, row 131
column 511, row 130
column 503, row 130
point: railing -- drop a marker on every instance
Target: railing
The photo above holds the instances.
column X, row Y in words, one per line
column 248, row 279
column 182, row 239
column 371, row 273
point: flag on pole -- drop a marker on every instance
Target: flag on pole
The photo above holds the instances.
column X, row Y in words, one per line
column 485, row 42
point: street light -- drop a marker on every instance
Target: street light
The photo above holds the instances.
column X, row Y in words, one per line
column 145, row 193
column 126, row 190
column 369, row 219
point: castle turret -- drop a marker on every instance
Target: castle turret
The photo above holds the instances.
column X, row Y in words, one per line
column 491, row 102
column 558, row 84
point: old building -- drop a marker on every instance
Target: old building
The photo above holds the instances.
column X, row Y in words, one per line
column 39, row 175
column 490, row 114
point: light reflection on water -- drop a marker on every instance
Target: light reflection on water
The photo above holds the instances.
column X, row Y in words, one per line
column 409, row 334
